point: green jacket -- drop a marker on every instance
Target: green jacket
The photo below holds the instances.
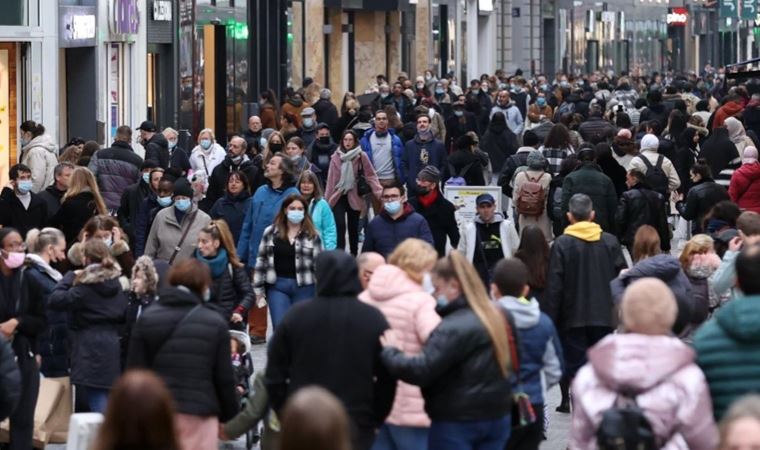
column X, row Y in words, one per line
column 728, row 352
column 590, row 180
column 256, row 409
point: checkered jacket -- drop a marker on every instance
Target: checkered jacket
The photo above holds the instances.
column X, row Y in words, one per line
column 307, row 250
column 554, row 157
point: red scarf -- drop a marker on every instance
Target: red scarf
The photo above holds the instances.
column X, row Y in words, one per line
column 428, row 199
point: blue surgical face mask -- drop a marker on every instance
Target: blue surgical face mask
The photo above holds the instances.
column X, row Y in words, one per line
column 183, row 204
column 205, row 143
column 24, row 186
column 295, row 216
column 393, row 207
column 164, row 201
column 172, row 144
column 439, row 91
column 108, row 242
column 459, row 113
column 540, row 101
column 146, row 177
column 442, row 301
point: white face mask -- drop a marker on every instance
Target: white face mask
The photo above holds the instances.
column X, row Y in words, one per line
column 427, row 283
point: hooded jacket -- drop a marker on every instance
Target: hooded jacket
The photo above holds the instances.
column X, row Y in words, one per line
column 41, row 156
column 468, row 242
column 582, row 263
column 728, row 354
column 639, row 206
column 116, row 168
column 730, row 109
column 499, row 142
column 384, row 233
column 540, row 348
column 670, row 389
column 744, row 189
column 193, row 360
column 411, row 313
column 349, row 337
column 96, row 307
column 668, row 269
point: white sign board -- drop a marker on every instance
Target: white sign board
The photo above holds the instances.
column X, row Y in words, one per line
column 463, row 198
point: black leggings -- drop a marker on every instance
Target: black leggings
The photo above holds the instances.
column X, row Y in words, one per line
column 22, row 419
column 340, row 211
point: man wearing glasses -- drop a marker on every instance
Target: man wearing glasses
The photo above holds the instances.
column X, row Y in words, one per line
column 396, row 222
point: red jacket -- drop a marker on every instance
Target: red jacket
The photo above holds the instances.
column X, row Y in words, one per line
column 744, row 189
column 730, row 109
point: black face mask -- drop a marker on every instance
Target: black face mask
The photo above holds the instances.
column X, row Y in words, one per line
column 423, row 190
column 275, row 147
column 324, row 140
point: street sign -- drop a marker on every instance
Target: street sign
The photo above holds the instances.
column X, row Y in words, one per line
column 728, row 8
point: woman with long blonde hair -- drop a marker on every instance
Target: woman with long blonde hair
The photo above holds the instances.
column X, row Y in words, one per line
column 230, row 284
column 465, row 364
column 81, row 201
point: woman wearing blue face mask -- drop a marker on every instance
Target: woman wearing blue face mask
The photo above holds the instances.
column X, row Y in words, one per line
column 174, row 233
column 206, row 155
column 285, row 265
column 159, row 197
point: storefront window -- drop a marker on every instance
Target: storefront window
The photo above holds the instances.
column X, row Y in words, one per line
column 13, row 12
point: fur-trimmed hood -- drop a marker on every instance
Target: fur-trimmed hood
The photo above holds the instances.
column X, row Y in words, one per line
column 97, row 273
column 76, row 252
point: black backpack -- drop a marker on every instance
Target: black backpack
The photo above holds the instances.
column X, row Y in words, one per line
column 655, row 176
column 624, row 427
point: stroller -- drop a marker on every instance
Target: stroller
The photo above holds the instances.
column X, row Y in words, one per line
column 243, row 368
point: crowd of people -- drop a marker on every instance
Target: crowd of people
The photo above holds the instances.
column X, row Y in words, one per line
column 618, row 256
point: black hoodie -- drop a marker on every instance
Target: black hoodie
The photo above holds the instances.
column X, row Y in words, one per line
column 344, row 357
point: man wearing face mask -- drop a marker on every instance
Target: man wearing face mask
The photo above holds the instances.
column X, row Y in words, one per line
column 133, row 198
column 308, row 131
column 395, row 223
column 437, row 211
column 321, row 150
column 384, row 97
column 506, row 106
column 174, row 232
column 459, row 123
column 421, row 151
column 236, row 160
column 156, row 145
column 21, row 208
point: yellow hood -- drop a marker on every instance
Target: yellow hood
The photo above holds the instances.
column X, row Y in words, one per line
column 587, row 231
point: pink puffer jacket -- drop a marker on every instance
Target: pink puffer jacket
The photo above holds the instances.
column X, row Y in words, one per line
column 672, row 390
column 411, row 313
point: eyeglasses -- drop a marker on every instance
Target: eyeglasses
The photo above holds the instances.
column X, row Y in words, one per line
column 390, row 198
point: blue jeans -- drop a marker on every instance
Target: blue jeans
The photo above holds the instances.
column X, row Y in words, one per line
column 395, row 437
column 283, row 294
column 476, row 435
column 97, row 398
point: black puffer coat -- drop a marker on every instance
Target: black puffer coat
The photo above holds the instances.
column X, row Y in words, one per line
column 700, row 199
column 96, row 305
column 73, row 215
column 13, row 214
column 10, row 380
column 233, row 291
column 457, row 371
column 642, row 206
column 590, row 180
column 53, row 345
column 217, row 183
column 157, row 150
column 190, row 353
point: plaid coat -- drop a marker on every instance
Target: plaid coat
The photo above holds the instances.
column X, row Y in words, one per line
column 307, row 250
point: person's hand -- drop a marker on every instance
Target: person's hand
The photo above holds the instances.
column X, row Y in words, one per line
column 261, row 301
column 117, row 235
column 8, row 327
column 389, row 339
column 236, row 318
column 222, row 435
column 240, row 389
column 735, row 244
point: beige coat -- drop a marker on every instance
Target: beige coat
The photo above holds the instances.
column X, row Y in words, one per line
column 166, row 232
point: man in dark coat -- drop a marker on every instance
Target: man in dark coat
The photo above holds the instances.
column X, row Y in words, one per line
column 396, row 222
column 638, row 206
column 253, row 135
column 350, row 331
column 117, row 167
column 578, row 299
column 53, row 194
column 236, row 160
column 437, row 211
column 320, row 152
column 596, row 129
column 499, row 142
column 421, row 151
column 460, row 123
column 156, row 145
column 588, row 179
column 132, row 199
column 325, row 110
column 20, row 208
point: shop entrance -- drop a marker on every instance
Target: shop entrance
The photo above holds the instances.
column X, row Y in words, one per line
column 8, row 112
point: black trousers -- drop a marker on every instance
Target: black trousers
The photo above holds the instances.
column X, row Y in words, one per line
column 528, row 437
column 341, row 210
column 22, row 419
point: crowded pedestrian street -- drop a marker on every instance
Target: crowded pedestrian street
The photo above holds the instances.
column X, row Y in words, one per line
column 379, row 225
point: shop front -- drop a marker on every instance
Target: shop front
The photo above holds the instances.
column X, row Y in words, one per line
column 163, row 85
column 77, row 33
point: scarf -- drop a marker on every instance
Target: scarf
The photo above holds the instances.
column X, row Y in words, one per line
column 45, row 267
column 217, row 264
column 347, row 176
column 429, row 198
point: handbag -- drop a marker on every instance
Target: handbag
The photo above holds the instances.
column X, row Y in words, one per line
column 182, row 239
column 362, row 187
